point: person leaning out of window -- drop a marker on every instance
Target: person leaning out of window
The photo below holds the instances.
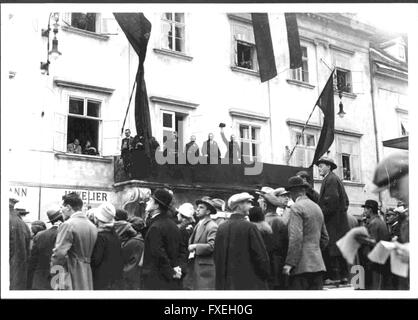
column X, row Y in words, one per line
column 74, row 147
column 89, row 149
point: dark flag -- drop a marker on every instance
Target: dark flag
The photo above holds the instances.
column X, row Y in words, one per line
column 264, row 46
column 326, row 103
column 293, row 40
column 137, row 29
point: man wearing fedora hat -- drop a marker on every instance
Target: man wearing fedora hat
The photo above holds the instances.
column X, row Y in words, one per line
column 241, row 258
column 74, row 245
column 201, row 267
column 39, row 277
column 19, row 244
column 334, row 202
column 307, row 237
column 163, row 252
column 376, row 275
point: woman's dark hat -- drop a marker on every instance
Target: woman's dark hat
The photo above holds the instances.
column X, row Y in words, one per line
column 163, row 197
column 296, row 182
column 372, row 205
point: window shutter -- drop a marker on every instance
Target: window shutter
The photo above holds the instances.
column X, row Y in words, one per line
column 357, row 82
column 243, row 33
column 338, row 157
column 355, row 168
column 109, row 25
column 299, row 157
column 60, row 134
column 66, row 18
column 111, row 138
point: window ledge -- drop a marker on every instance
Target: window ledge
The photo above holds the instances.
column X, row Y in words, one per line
column 347, row 94
column 246, row 71
column 175, row 54
column 300, row 83
column 82, row 157
column 85, row 33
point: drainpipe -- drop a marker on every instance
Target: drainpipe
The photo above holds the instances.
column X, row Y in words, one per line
column 372, row 91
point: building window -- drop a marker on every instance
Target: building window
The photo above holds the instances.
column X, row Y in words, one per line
column 83, row 121
column 84, row 21
column 344, row 80
column 173, row 122
column 302, row 74
column 403, row 122
column 250, row 142
column 304, row 150
column 243, row 45
column 173, row 31
column 348, row 158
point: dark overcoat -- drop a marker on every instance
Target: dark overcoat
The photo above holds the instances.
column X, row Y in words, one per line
column 201, row 269
column 19, row 241
column 107, row 261
column 39, row 276
column 162, row 252
column 241, row 258
column 334, row 202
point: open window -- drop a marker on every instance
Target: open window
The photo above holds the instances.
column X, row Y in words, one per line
column 302, row 73
column 348, row 158
column 173, row 31
column 305, row 148
column 244, row 54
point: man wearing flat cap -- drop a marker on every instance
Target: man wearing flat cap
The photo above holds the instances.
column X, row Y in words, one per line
column 201, row 267
column 39, row 277
column 162, row 267
column 241, row 258
column 19, row 244
column 307, row 237
column 393, row 173
column 334, row 202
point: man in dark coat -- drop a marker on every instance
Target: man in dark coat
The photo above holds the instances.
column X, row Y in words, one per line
column 376, row 275
column 19, row 242
column 307, row 237
column 334, row 203
column 126, row 148
column 163, row 254
column 192, row 151
column 211, row 150
column 106, row 259
column 39, row 277
column 310, row 192
column 241, row 258
column 234, row 151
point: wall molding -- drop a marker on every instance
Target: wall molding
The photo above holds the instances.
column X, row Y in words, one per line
column 174, row 54
column 346, row 132
column 174, row 102
column 82, row 86
column 85, row 33
column 239, row 18
column 341, row 49
column 82, row 157
column 300, row 83
column 246, row 71
column 60, row 186
column 247, row 114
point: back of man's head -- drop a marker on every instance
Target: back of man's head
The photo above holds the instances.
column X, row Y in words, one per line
column 73, row 200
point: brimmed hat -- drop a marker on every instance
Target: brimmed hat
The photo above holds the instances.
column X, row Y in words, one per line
column 390, row 169
column 237, row 198
column 163, row 197
column 264, row 190
column 327, row 160
column 280, row 192
column 37, row 226
column 372, row 204
column 207, row 201
column 105, row 212
column 296, row 182
column 54, row 213
column 186, row 210
column 21, row 208
column 137, row 223
column 219, row 204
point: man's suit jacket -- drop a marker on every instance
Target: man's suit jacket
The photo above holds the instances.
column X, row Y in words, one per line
column 201, row 270
column 307, row 236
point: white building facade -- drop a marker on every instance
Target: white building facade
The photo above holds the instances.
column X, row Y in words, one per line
column 196, row 77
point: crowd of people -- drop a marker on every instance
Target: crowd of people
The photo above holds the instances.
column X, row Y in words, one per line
column 285, row 239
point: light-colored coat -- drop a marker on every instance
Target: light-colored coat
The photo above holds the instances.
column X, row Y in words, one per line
column 307, row 236
column 73, row 249
column 201, row 270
